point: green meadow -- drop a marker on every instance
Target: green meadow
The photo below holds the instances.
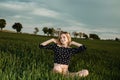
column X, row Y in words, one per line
column 21, row 59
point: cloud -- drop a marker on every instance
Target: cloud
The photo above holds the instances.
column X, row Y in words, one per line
column 21, row 17
column 13, row 5
column 45, row 12
column 31, row 8
column 75, row 23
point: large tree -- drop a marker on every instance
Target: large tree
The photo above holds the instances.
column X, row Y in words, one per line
column 17, row 26
column 75, row 34
column 85, row 36
column 2, row 23
column 45, row 30
column 51, row 31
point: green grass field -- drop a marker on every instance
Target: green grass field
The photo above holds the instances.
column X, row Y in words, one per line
column 21, row 59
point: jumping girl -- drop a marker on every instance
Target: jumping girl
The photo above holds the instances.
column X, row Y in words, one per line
column 63, row 53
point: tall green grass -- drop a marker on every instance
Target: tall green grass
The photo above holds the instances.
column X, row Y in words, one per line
column 21, row 59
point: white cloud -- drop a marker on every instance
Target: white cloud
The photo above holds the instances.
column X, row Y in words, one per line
column 21, row 17
column 12, row 6
column 45, row 12
column 32, row 8
column 17, row 16
column 73, row 28
column 48, row 24
column 76, row 23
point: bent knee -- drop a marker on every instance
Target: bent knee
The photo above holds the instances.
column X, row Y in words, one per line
column 83, row 73
column 86, row 72
column 57, row 70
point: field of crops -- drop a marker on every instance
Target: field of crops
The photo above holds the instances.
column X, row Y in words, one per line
column 21, row 59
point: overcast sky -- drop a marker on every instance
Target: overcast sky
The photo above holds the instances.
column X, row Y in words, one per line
column 101, row 17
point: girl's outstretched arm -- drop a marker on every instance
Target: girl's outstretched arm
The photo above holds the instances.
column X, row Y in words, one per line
column 48, row 41
column 76, row 44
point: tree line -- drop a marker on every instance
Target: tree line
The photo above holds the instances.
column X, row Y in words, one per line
column 56, row 32
column 49, row 31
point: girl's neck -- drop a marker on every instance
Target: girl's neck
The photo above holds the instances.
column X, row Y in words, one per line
column 64, row 45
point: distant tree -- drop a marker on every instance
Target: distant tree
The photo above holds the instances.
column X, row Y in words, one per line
column 80, row 34
column 85, row 35
column 17, row 26
column 117, row 39
column 59, row 31
column 56, row 32
column 2, row 23
column 36, row 30
column 51, row 31
column 75, row 34
column 94, row 36
column 45, row 30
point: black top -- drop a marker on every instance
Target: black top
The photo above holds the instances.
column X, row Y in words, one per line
column 62, row 55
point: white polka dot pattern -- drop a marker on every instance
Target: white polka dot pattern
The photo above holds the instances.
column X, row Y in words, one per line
column 62, row 55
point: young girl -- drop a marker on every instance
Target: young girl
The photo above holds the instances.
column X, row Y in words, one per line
column 63, row 53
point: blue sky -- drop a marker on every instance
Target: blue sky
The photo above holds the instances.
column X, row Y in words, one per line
column 101, row 17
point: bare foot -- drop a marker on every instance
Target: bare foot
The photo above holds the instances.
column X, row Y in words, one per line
column 83, row 73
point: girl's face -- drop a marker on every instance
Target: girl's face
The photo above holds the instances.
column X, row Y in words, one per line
column 63, row 39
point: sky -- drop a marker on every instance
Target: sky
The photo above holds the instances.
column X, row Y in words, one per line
column 100, row 17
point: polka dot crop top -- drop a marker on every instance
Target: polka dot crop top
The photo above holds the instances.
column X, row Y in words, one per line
column 62, row 55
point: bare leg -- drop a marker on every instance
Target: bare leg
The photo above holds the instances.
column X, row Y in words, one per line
column 59, row 68
column 63, row 69
column 82, row 73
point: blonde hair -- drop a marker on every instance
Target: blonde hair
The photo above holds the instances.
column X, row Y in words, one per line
column 68, row 37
